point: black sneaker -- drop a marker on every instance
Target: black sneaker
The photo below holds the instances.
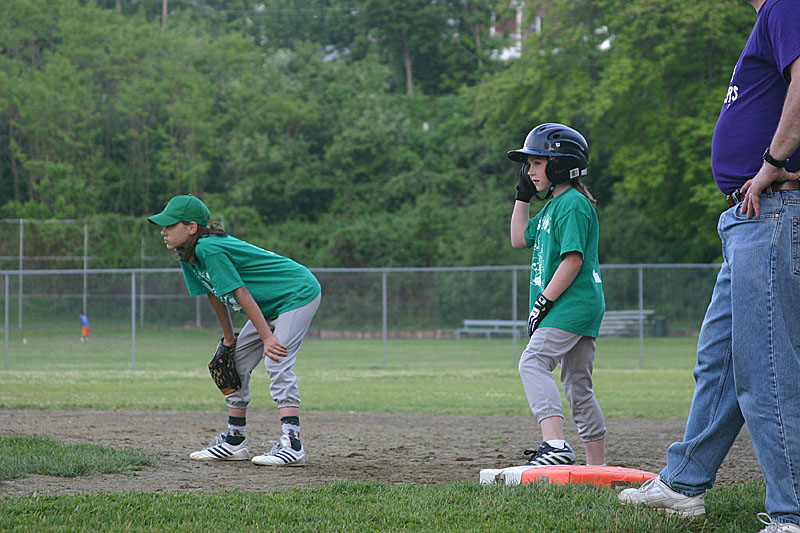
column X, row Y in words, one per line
column 547, row 455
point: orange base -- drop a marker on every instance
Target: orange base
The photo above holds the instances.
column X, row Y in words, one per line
column 609, row 476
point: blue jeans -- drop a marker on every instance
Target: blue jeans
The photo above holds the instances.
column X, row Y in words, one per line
column 748, row 365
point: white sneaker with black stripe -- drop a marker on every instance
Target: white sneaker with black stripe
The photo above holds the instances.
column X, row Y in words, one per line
column 219, row 450
column 282, row 454
column 548, row 455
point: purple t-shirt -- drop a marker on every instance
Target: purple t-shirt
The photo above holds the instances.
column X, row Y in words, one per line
column 754, row 101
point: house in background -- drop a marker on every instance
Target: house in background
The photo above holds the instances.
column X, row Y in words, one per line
column 522, row 24
column 518, row 27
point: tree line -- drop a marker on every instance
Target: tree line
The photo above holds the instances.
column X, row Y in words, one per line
column 364, row 132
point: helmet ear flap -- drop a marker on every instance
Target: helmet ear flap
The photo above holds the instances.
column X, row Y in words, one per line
column 554, row 172
column 558, row 170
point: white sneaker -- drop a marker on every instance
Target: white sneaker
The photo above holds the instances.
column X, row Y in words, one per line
column 282, row 454
column 656, row 494
column 777, row 527
column 219, row 450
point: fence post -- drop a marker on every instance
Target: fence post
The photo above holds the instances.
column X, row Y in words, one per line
column 383, row 314
column 197, row 321
column 141, row 299
column 141, row 285
column 21, row 255
column 641, row 319
column 6, row 315
column 514, row 314
column 133, row 320
column 85, row 265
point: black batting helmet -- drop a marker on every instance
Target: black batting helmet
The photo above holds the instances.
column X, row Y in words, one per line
column 565, row 148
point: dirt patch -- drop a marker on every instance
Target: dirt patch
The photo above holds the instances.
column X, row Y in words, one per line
column 391, row 448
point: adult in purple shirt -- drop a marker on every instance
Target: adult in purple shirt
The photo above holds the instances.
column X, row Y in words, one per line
column 748, row 352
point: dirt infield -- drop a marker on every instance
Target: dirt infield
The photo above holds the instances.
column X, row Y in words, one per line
column 391, row 448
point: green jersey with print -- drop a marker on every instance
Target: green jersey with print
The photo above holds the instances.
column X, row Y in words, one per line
column 226, row 263
column 568, row 223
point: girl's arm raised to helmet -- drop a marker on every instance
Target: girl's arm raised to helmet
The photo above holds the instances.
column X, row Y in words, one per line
column 519, row 223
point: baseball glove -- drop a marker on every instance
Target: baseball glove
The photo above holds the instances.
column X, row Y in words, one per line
column 223, row 370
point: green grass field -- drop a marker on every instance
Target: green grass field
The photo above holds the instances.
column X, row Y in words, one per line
column 360, row 507
column 467, row 376
column 470, row 376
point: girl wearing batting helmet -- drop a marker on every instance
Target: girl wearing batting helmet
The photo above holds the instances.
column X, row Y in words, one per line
column 279, row 297
column 566, row 293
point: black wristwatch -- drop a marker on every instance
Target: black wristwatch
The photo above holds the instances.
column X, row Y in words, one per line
column 772, row 161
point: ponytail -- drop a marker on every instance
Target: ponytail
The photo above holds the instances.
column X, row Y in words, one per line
column 584, row 191
column 186, row 252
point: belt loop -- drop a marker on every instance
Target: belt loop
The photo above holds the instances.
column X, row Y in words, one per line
column 734, row 198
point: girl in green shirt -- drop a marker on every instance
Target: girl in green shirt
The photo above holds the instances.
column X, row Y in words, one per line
column 566, row 293
column 279, row 297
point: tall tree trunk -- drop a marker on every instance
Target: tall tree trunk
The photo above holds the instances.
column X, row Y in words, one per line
column 476, row 32
column 146, row 172
column 14, row 171
column 408, row 62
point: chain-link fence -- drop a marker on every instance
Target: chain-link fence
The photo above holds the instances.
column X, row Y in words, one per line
column 71, row 243
column 379, row 303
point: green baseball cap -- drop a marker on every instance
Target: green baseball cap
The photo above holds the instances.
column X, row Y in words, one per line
column 184, row 208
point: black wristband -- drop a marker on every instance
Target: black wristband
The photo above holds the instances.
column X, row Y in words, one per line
column 772, row 161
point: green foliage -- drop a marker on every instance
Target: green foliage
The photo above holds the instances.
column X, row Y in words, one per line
column 348, row 506
column 660, row 94
column 22, row 455
column 647, row 104
column 436, row 45
column 296, row 121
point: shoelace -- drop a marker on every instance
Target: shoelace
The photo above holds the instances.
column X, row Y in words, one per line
column 646, row 484
column 765, row 519
column 276, row 446
column 543, row 449
column 219, row 439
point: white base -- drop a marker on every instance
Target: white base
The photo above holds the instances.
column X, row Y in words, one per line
column 503, row 476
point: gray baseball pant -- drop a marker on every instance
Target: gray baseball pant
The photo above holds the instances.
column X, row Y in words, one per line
column 547, row 348
column 289, row 328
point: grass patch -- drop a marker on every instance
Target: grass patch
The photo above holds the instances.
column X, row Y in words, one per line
column 468, row 376
column 449, row 376
column 378, row 507
column 182, row 349
column 488, row 391
column 23, row 455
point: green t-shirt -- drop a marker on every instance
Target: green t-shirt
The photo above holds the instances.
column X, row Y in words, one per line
column 225, row 263
column 568, row 223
